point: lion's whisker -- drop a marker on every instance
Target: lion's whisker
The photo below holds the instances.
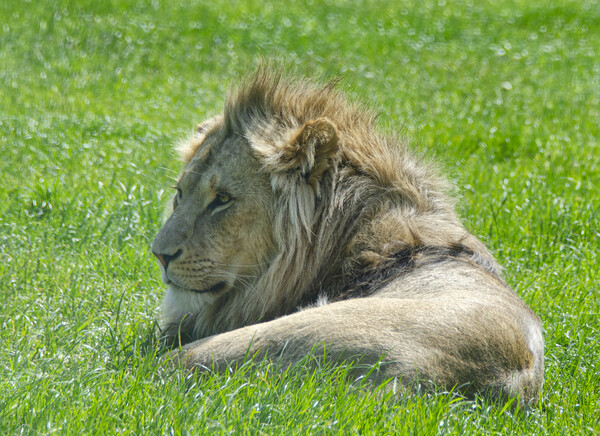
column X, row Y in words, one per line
column 242, row 265
column 220, row 270
column 168, row 169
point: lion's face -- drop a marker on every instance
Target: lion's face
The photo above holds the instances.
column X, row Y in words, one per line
column 217, row 237
column 236, row 247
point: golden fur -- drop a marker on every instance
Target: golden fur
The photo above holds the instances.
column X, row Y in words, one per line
column 292, row 199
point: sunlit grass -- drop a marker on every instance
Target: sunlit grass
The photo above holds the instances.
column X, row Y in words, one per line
column 92, row 95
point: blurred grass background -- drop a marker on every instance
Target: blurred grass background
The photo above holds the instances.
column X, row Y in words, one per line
column 506, row 95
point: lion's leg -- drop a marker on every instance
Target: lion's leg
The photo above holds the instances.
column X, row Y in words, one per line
column 478, row 347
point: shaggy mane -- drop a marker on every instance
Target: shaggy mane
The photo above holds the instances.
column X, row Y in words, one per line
column 270, row 105
column 268, row 97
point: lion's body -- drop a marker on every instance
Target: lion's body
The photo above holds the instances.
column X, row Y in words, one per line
column 292, row 200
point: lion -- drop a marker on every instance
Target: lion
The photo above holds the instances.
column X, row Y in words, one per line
column 296, row 224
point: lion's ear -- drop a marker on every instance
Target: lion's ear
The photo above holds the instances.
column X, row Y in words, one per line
column 309, row 151
column 188, row 147
column 317, row 143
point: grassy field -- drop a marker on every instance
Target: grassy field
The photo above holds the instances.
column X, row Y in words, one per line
column 94, row 93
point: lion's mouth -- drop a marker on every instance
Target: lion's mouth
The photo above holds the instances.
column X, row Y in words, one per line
column 213, row 289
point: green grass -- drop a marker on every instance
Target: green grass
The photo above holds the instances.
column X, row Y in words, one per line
column 92, row 95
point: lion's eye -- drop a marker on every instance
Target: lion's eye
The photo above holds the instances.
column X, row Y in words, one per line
column 220, row 200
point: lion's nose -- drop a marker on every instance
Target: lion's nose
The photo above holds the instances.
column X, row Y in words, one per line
column 164, row 259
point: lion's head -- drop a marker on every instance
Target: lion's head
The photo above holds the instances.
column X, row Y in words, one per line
column 218, row 233
column 290, row 194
